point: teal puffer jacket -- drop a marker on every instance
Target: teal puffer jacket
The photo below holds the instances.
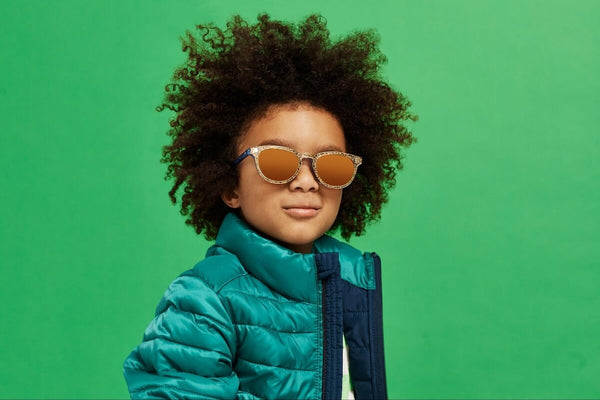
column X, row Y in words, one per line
column 256, row 320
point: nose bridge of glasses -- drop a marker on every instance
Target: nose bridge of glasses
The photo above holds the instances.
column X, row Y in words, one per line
column 311, row 164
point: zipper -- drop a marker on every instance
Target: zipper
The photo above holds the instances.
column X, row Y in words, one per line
column 323, row 305
column 331, row 325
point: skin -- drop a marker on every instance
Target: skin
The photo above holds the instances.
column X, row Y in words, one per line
column 297, row 213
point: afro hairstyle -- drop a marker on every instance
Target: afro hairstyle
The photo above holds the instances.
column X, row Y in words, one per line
column 234, row 76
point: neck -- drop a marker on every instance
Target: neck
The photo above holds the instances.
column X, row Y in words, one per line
column 299, row 248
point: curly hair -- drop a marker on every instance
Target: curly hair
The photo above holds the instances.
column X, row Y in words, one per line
column 234, row 76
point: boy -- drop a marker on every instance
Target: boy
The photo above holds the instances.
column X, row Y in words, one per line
column 281, row 135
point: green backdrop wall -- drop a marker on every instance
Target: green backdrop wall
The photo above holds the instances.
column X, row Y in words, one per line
column 490, row 240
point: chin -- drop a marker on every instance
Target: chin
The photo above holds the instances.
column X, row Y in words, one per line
column 302, row 238
column 299, row 242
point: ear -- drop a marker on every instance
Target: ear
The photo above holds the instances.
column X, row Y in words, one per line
column 231, row 199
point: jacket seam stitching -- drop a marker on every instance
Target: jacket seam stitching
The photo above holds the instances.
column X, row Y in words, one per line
column 193, row 313
column 229, row 281
column 185, row 344
column 269, row 298
column 144, row 388
column 273, row 329
column 275, row 366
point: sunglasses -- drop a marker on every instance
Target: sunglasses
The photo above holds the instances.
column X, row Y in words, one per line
column 279, row 164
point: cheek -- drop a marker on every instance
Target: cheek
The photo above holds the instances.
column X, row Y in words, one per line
column 252, row 188
column 248, row 178
column 334, row 197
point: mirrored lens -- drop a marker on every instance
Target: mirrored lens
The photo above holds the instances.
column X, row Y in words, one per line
column 335, row 169
column 278, row 164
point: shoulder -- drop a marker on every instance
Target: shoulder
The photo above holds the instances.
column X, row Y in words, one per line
column 219, row 268
column 199, row 286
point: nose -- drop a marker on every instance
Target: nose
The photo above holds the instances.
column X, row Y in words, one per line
column 305, row 180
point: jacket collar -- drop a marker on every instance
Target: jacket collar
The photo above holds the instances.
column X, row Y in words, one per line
column 292, row 274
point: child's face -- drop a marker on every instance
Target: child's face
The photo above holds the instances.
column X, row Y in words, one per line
column 297, row 213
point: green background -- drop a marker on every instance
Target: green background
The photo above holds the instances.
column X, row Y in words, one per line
column 490, row 240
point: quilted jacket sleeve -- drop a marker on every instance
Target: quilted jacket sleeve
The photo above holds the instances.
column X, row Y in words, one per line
column 187, row 349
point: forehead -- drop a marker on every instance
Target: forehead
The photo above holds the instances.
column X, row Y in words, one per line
column 303, row 128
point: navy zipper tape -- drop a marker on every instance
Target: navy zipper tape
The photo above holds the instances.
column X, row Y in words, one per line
column 328, row 270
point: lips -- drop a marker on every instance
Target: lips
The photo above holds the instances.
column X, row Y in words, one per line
column 301, row 211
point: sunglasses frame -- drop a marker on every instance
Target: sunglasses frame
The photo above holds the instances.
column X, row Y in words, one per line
column 256, row 150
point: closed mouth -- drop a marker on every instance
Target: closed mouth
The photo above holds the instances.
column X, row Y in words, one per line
column 301, row 211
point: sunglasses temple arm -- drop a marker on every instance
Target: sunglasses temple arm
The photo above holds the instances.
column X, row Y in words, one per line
column 241, row 157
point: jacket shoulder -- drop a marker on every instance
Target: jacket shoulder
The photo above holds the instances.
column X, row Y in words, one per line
column 218, row 268
column 202, row 282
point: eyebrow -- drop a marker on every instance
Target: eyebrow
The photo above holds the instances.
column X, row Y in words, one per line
column 280, row 142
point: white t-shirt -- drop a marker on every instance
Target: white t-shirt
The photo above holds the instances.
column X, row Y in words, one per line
column 347, row 393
